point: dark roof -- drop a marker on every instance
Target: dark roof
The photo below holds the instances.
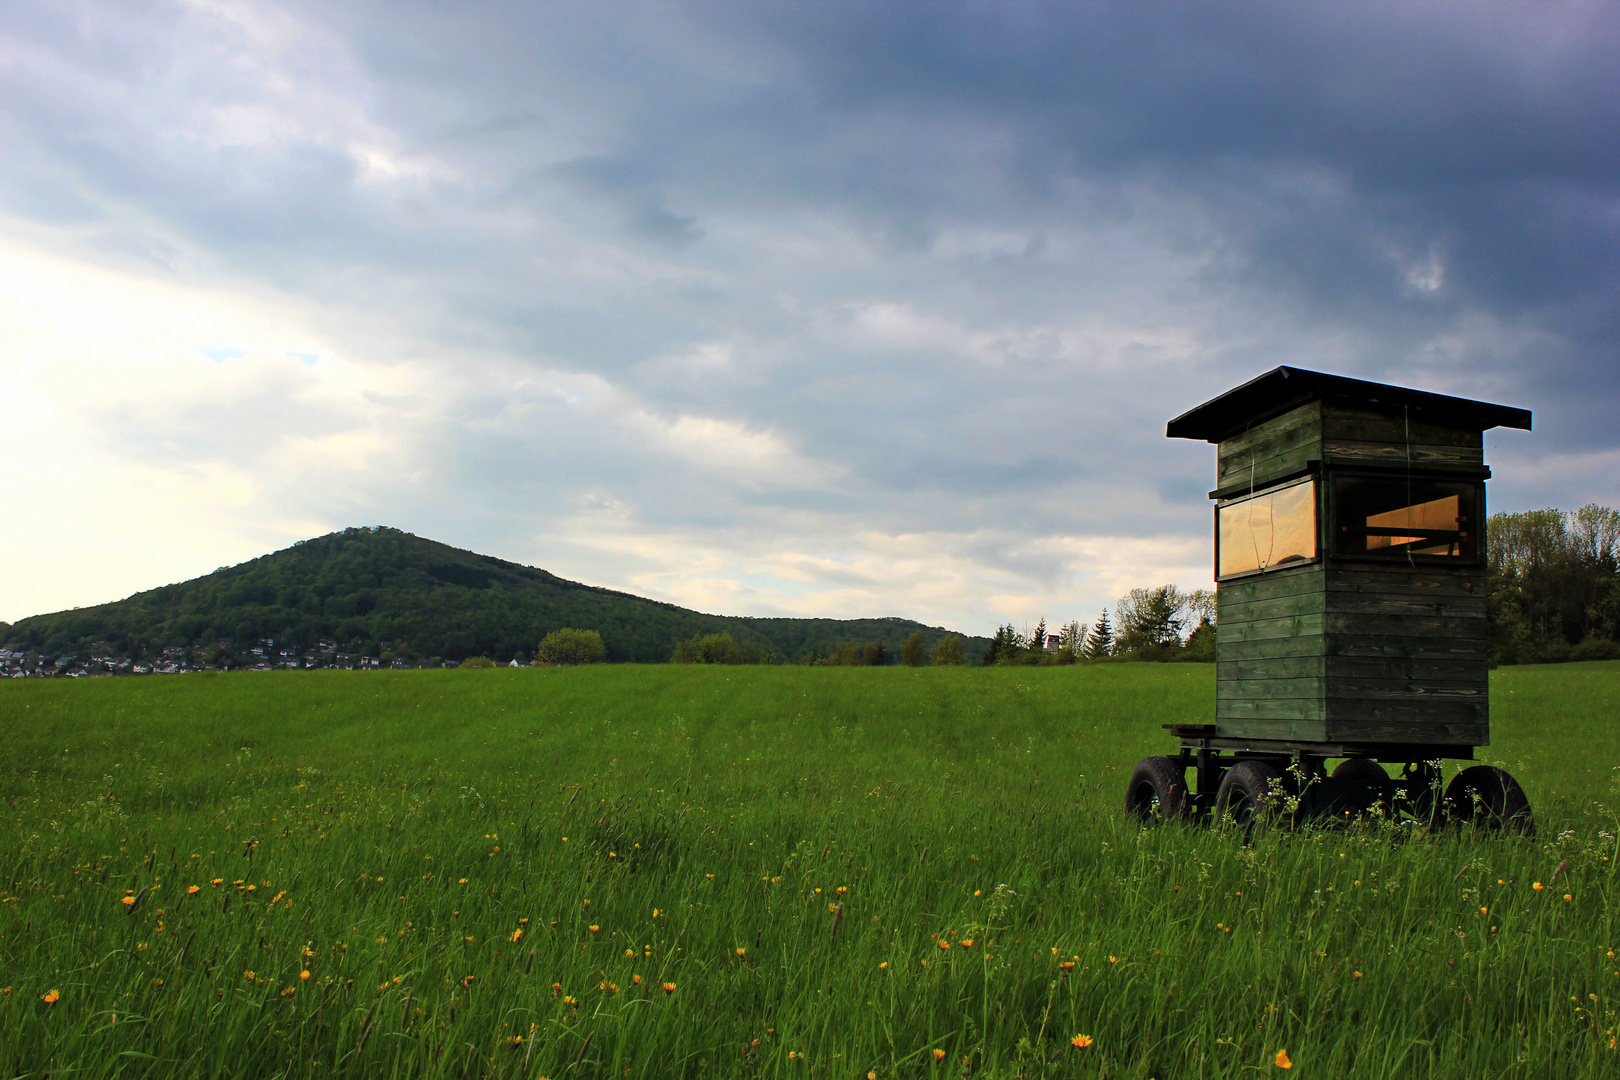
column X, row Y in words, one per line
column 1285, row 388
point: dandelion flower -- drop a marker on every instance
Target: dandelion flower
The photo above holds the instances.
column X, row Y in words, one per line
column 304, row 974
column 1080, row 1042
column 655, row 913
column 1065, row 965
column 1357, row 974
column 51, row 997
column 944, row 944
column 556, row 988
column 217, row 881
column 468, row 980
column 594, row 928
column 1537, row 886
column 517, row 934
column 741, row 952
column 1113, row 959
column 636, row 979
column 463, row 881
column 939, row 1055
column 128, row 901
column 276, row 899
column 192, row 890
column 1568, row 897
column 669, row 988
column 883, row 966
column 967, row 943
column 1282, row 1060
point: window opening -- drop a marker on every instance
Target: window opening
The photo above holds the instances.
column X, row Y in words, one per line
column 1405, row 517
column 1273, row 529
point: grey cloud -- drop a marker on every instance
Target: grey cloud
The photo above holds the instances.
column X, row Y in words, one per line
column 1077, row 220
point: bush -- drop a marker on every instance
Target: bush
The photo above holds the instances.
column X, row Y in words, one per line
column 718, row 649
column 570, row 646
column 477, row 662
column 914, row 653
column 948, row 651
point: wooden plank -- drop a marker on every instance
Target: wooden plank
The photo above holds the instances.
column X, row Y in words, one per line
column 1414, row 731
column 1305, row 418
column 1267, row 466
column 1368, row 718
column 1425, row 455
column 1426, row 580
column 1375, row 646
column 1299, row 729
column 1259, row 687
column 1288, row 581
column 1293, row 626
column 1270, row 708
column 1228, row 649
column 1354, row 624
column 1304, row 603
column 1360, row 426
column 1397, row 605
column 1437, row 671
column 1402, row 690
column 1272, row 667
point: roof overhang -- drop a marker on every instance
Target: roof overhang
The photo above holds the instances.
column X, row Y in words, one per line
column 1286, row 388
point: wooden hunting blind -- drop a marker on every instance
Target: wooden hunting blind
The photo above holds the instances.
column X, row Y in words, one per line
column 1350, row 576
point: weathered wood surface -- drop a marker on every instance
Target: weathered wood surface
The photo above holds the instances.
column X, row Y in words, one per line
column 1339, row 422
column 1357, row 452
column 1353, row 652
column 1228, row 651
column 1272, row 449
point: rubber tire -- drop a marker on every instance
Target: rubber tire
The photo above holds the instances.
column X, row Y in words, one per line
column 1488, row 798
column 1157, row 791
column 1360, row 782
column 1246, row 794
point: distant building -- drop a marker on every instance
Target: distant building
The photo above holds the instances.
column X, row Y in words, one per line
column 1054, row 642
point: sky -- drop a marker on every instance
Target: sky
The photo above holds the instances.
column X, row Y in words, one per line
column 818, row 309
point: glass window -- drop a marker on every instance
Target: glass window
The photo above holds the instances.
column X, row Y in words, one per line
column 1380, row 518
column 1275, row 528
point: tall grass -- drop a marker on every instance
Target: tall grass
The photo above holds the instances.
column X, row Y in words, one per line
column 678, row 871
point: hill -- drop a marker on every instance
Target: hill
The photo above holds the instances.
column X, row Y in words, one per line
column 375, row 591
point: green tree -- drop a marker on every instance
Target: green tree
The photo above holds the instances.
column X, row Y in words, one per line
column 1201, row 644
column 948, row 651
column 570, row 646
column 718, row 649
column 1150, row 620
column 1100, row 642
column 1007, row 647
column 477, row 662
column 914, row 653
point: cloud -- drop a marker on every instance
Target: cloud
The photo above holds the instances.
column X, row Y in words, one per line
column 823, row 309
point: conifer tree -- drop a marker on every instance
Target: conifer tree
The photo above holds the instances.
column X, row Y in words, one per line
column 1100, row 642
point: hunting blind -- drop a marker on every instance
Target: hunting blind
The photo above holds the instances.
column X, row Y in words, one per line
column 1350, row 600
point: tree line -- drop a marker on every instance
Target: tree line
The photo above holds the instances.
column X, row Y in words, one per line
column 1553, row 585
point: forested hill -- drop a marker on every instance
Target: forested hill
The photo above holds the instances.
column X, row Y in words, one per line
column 379, row 590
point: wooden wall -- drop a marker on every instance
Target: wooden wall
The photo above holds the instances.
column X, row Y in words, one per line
column 1270, row 655
column 1340, row 651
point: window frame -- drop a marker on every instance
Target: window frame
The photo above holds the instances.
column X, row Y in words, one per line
column 1330, row 514
column 1316, row 480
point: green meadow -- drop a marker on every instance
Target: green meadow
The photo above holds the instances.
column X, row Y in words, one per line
column 777, row 872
